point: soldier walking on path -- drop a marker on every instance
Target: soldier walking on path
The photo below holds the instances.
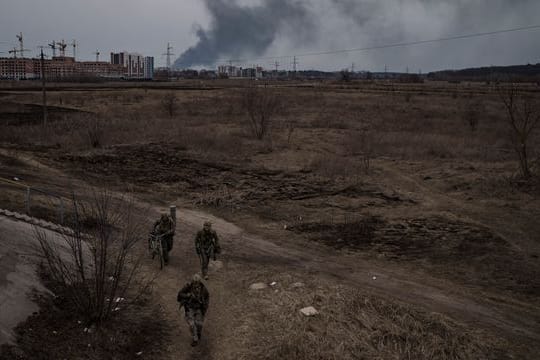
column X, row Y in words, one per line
column 165, row 227
column 194, row 298
column 207, row 246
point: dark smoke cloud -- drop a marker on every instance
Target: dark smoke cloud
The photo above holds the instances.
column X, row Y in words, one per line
column 236, row 30
column 285, row 27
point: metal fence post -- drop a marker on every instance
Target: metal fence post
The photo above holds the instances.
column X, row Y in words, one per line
column 172, row 210
column 28, row 200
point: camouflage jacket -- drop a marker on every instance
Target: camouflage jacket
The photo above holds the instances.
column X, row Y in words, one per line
column 164, row 227
column 207, row 241
column 194, row 296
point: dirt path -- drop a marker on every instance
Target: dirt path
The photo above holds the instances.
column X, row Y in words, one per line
column 18, row 277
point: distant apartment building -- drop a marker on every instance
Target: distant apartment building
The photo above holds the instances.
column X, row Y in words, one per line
column 136, row 66
column 57, row 68
column 230, row 71
column 238, row 72
column 17, row 69
column 148, row 67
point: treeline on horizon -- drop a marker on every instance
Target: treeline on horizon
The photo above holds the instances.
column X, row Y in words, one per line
column 529, row 72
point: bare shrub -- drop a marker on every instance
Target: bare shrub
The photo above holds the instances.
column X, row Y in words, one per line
column 222, row 197
column 362, row 144
column 472, row 112
column 523, row 118
column 261, row 105
column 169, row 103
column 289, row 126
column 96, row 264
column 95, row 132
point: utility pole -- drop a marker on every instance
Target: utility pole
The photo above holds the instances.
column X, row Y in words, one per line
column 295, row 63
column 276, row 65
column 14, row 52
column 169, row 54
column 43, row 87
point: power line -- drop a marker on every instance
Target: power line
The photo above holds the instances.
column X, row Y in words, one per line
column 387, row 46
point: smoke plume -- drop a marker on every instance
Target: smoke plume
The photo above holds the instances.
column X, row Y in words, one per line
column 237, row 30
column 292, row 27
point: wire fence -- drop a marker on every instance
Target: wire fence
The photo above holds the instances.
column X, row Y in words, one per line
column 33, row 201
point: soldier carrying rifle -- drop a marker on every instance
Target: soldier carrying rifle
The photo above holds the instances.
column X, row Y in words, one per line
column 207, row 246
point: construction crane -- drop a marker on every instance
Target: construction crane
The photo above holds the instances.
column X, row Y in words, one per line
column 74, row 44
column 62, row 46
column 53, row 47
column 22, row 50
column 97, row 55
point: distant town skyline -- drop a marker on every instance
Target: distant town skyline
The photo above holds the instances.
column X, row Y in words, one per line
column 203, row 32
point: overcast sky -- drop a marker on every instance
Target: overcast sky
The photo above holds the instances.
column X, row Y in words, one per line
column 204, row 32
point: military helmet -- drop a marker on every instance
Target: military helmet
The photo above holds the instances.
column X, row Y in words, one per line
column 207, row 224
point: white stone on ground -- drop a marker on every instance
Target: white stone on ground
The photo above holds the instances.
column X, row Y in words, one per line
column 309, row 311
column 258, row 286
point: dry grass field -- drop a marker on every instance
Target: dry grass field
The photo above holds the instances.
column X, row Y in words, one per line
column 419, row 180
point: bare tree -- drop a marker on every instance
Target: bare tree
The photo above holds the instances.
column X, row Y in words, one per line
column 261, row 105
column 96, row 264
column 473, row 109
column 523, row 117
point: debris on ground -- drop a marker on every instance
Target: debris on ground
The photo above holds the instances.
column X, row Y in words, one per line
column 258, row 286
column 309, row 311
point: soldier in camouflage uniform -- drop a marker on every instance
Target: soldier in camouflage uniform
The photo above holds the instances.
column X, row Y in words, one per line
column 165, row 227
column 194, row 298
column 207, row 246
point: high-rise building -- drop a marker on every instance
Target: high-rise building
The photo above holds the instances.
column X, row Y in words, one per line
column 149, row 67
column 136, row 65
